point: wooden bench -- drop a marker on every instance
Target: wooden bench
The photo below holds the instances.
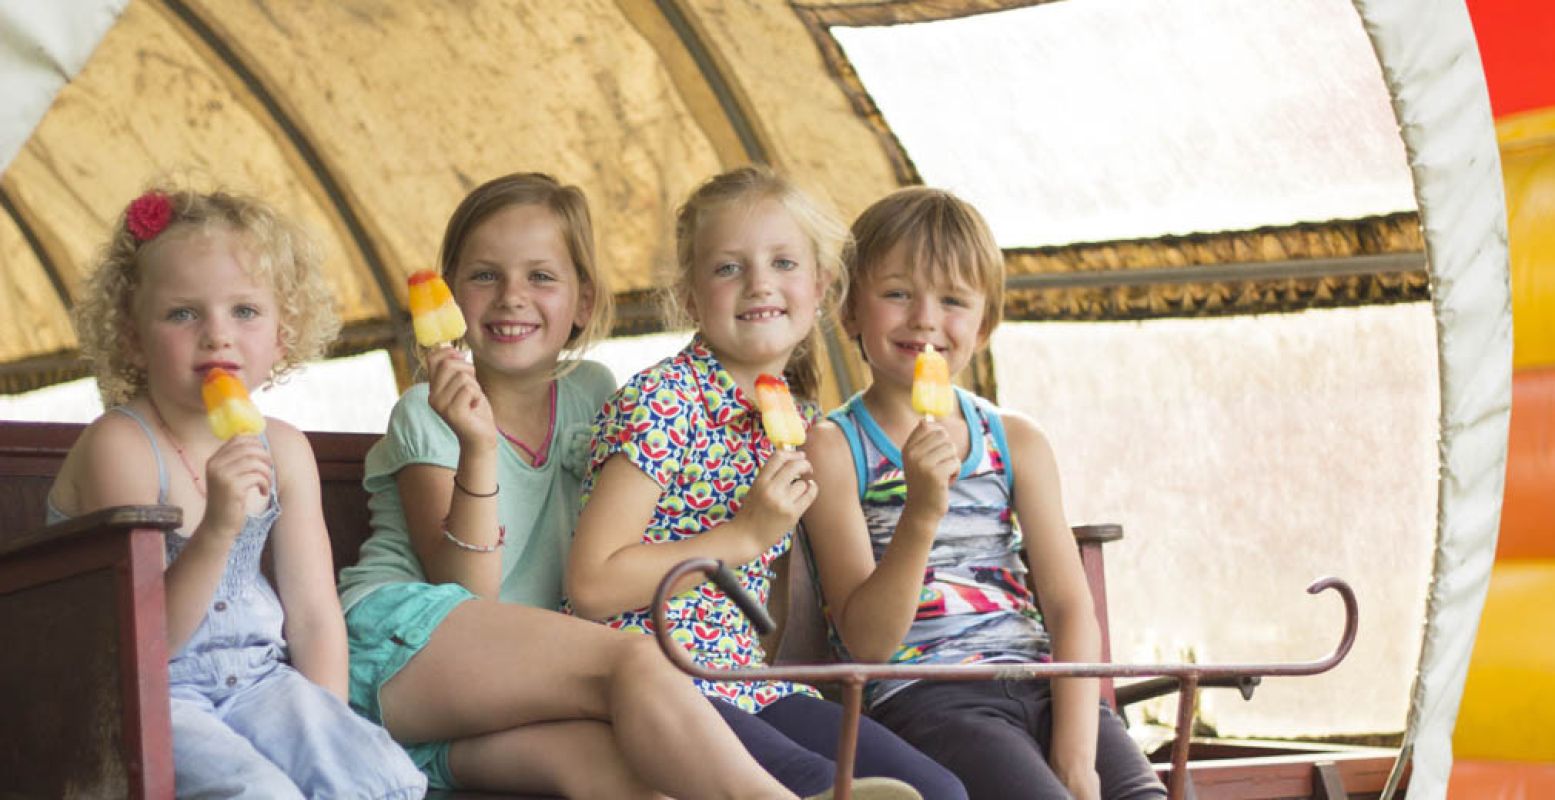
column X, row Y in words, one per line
column 83, row 678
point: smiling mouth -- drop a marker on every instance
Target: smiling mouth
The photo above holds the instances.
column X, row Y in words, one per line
column 916, row 347
column 510, row 330
column 761, row 314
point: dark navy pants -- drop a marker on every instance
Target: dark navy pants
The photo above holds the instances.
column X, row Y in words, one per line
column 795, row 740
column 995, row 735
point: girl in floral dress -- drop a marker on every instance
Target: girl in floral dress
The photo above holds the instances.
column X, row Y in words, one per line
column 680, row 467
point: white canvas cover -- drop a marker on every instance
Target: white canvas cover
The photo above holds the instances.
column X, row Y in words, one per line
column 43, row 46
column 1431, row 64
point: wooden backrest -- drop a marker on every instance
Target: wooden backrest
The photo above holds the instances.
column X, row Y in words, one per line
column 31, row 454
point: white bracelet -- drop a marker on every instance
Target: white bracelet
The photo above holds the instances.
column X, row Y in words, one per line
column 502, row 537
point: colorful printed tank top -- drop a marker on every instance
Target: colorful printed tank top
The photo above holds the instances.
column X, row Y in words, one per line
column 974, row 605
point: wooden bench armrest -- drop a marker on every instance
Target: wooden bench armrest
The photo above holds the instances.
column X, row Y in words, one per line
column 162, row 518
column 83, row 612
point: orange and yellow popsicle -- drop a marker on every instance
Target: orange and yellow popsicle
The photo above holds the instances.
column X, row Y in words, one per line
column 931, row 393
column 433, row 312
column 779, row 416
column 228, row 406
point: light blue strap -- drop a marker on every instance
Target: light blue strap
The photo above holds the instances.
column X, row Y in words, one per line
column 996, row 426
column 843, row 417
column 155, row 451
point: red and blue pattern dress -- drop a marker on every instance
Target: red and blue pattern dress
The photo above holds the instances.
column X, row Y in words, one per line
column 686, row 425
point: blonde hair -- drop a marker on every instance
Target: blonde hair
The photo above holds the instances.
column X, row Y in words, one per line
column 572, row 211
column 284, row 254
column 747, row 186
column 941, row 233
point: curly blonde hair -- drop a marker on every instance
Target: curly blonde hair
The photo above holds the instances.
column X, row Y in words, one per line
column 745, row 186
column 284, row 254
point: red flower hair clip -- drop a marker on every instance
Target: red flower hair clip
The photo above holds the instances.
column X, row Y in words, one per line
column 148, row 215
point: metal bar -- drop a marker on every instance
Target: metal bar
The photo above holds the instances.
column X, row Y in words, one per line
column 855, row 675
column 847, row 741
column 1292, row 269
column 1187, row 698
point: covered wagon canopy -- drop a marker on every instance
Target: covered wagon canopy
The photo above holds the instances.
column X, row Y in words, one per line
column 371, row 119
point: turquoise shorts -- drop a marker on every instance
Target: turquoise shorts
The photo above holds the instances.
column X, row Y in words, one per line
column 385, row 630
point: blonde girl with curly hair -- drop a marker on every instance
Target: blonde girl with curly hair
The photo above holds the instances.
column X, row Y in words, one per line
column 192, row 282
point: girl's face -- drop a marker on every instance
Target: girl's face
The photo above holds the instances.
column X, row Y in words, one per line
column 898, row 309
column 198, row 307
column 519, row 290
column 755, row 287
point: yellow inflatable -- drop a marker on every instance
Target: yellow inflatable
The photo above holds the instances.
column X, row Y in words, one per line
column 1509, row 700
column 1528, row 168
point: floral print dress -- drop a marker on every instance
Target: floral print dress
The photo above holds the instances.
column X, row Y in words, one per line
column 686, row 425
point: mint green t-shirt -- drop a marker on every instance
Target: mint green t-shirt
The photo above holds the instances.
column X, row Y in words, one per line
column 538, row 505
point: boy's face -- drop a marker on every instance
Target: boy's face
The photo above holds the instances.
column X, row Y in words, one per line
column 899, row 307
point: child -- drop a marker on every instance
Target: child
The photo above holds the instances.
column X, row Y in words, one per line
column 681, row 468
column 455, row 642
column 918, row 556
column 190, row 282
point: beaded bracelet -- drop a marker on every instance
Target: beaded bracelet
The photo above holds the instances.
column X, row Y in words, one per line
column 461, row 487
column 502, row 537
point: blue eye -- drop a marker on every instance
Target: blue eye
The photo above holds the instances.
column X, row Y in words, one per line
column 894, row 294
column 785, row 264
column 725, row 269
column 482, row 276
column 246, row 312
column 541, row 277
column 180, row 315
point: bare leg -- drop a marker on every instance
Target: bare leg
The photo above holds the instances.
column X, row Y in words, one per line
column 491, row 667
column 572, row 759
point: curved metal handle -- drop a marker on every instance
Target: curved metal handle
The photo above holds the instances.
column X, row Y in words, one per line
column 853, row 676
column 822, row 673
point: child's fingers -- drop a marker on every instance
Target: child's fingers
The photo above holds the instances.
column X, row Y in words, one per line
column 808, row 491
column 448, row 370
column 791, row 470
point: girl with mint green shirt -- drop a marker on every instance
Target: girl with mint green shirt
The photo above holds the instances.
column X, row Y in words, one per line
column 455, row 645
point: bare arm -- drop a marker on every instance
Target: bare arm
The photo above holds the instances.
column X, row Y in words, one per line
column 873, row 605
column 1067, row 607
column 112, row 465
column 429, row 495
column 612, row 570
column 304, row 566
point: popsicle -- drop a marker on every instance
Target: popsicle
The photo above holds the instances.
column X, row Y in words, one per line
column 227, row 404
column 779, row 417
column 931, row 393
column 433, row 312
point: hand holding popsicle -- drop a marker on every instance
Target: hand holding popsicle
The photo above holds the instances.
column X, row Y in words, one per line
column 227, row 404
column 433, row 312
column 931, row 393
column 779, row 416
